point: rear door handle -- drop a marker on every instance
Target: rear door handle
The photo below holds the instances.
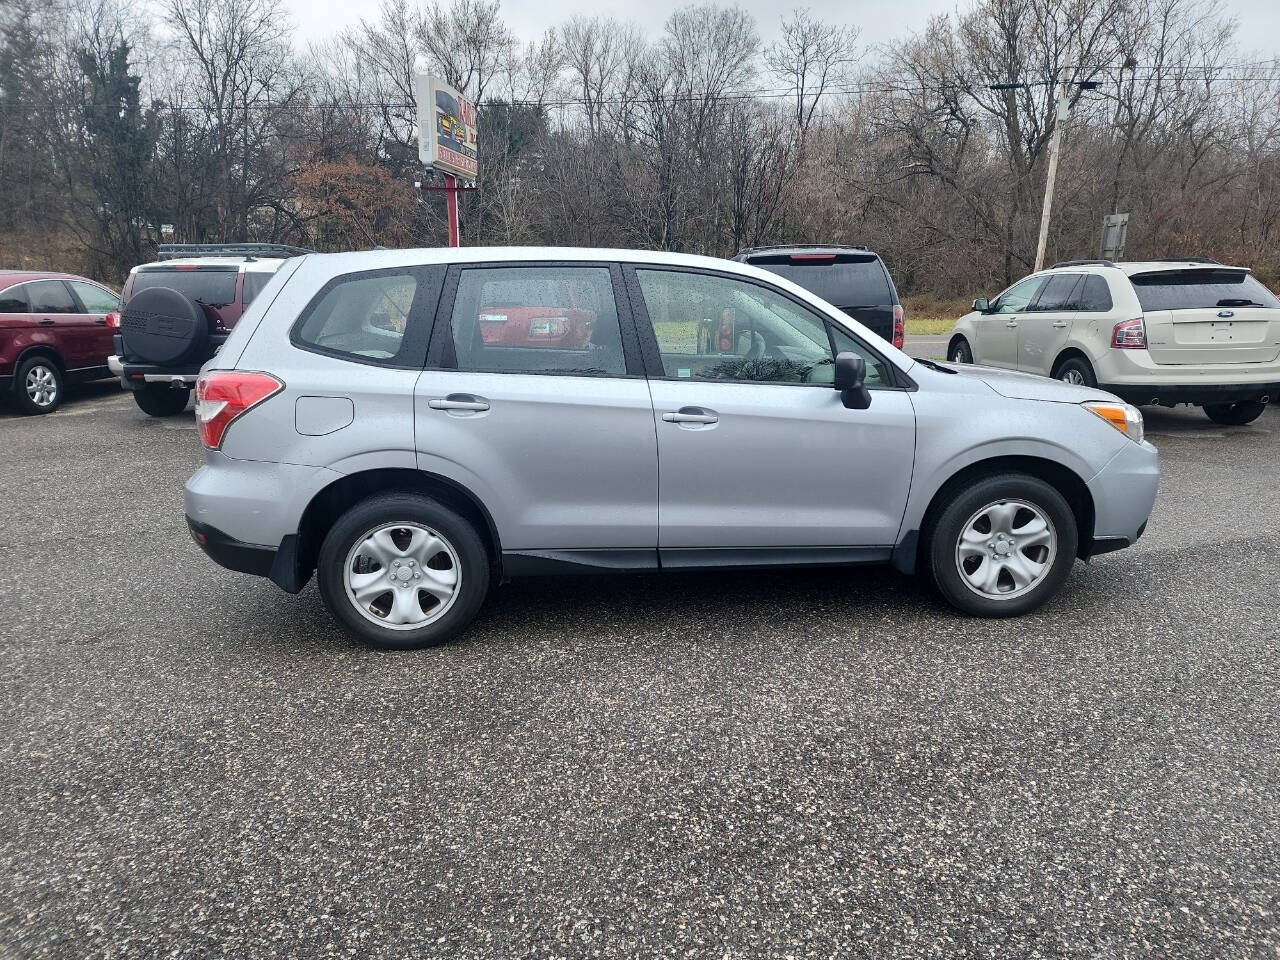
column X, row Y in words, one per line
column 459, row 401
column 101, row 321
column 1060, row 324
column 691, row 415
column 46, row 322
column 1011, row 323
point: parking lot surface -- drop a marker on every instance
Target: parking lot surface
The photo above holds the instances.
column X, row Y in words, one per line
column 806, row 764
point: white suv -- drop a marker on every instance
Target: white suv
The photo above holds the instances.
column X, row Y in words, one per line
column 1160, row 332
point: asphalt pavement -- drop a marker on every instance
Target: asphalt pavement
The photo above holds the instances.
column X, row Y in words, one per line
column 807, row 764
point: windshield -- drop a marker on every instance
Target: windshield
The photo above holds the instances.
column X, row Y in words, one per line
column 211, row 287
column 1201, row 289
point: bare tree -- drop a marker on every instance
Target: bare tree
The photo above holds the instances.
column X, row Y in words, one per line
column 811, row 56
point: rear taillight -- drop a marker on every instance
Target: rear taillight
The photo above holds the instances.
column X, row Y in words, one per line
column 224, row 395
column 899, row 325
column 113, row 320
column 1129, row 335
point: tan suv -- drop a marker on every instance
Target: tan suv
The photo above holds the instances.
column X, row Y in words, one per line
column 1159, row 332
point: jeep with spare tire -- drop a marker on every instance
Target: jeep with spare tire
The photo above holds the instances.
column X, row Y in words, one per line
column 178, row 312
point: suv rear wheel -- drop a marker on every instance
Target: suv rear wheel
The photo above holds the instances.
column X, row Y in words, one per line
column 401, row 571
column 1235, row 414
column 161, row 400
column 38, row 385
column 1076, row 370
column 1003, row 546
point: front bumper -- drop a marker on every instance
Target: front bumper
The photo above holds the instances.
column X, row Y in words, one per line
column 1123, row 493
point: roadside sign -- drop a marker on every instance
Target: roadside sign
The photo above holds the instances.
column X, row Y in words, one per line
column 1115, row 229
column 447, row 135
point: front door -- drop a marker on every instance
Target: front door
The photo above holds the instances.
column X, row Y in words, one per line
column 997, row 329
column 531, row 400
column 56, row 312
column 757, row 455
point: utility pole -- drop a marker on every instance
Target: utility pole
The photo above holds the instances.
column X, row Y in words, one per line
column 1062, row 110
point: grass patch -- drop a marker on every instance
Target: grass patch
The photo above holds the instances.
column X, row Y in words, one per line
column 933, row 316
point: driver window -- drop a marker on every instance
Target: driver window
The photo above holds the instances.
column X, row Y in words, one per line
column 711, row 327
column 1016, row 298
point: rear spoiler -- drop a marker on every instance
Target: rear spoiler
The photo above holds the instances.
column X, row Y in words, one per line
column 268, row 251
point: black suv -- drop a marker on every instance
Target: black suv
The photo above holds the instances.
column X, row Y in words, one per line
column 851, row 278
column 178, row 311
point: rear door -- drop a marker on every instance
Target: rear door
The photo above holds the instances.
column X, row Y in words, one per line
column 1208, row 315
column 758, row 459
column 95, row 303
column 857, row 283
column 15, row 325
column 534, row 398
column 997, row 330
column 56, row 311
column 1044, row 328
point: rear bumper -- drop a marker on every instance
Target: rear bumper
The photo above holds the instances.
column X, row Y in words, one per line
column 1195, row 393
column 134, row 374
column 278, row 564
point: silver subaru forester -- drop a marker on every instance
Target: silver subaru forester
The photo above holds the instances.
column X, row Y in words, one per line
column 414, row 426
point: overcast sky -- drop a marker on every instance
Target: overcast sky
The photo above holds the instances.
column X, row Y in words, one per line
column 879, row 21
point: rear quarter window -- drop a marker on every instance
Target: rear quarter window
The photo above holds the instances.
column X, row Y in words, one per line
column 1201, row 290
column 380, row 317
column 850, row 280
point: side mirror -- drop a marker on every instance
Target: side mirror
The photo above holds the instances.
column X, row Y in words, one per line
column 981, row 305
column 851, row 381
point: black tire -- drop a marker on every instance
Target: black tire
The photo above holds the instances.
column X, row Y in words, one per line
column 1235, row 414
column 944, row 534
column 959, row 351
column 1076, row 365
column 48, row 383
column 161, row 400
column 164, row 327
column 365, row 517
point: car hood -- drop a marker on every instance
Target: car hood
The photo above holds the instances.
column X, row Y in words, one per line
column 1027, row 386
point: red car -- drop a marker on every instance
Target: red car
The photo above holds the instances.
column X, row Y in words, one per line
column 53, row 329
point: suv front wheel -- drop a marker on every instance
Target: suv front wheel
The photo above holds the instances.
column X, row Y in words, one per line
column 401, row 571
column 1003, row 546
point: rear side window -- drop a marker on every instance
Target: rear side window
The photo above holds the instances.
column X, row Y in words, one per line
column 1056, row 296
column 213, row 288
column 13, row 300
column 362, row 317
column 94, row 298
column 1200, row 290
column 561, row 320
column 843, row 280
column 1093, row 296
column 51, row 296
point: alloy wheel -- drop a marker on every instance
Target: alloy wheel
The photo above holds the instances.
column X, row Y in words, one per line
column 1006, row 549
column 402, row 576
column 1073, row 376
column 41, row 385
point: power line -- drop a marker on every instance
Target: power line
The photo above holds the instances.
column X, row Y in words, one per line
column 959, row 85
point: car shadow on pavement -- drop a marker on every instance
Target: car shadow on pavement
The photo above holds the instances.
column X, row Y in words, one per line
column 76, row 393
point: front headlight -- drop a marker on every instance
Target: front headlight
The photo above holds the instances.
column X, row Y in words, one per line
column 1125, row 418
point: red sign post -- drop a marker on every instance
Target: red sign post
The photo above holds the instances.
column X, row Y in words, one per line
column 447, row 141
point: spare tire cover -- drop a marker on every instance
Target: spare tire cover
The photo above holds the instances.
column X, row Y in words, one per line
column 161, row 325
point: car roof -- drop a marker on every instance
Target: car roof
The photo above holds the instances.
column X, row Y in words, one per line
column 10, row 277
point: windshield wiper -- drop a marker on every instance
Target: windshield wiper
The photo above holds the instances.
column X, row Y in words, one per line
column 1237, row 302
column 933, row 366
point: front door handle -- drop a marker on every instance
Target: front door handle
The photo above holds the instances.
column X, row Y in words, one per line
column 101, row 321
column 1060, row 324
column 1011, row 323
column 691, row 415
column 460, row 401
column 46, row 322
